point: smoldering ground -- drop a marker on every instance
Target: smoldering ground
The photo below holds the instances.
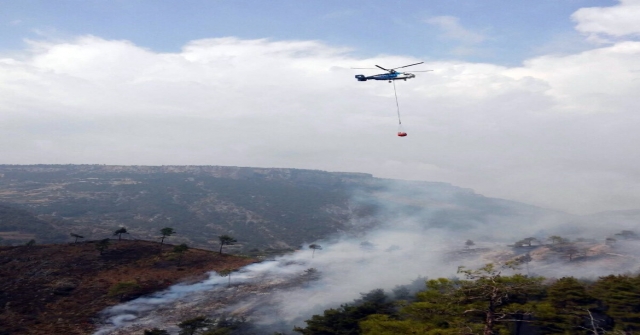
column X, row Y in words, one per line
column 412, row 232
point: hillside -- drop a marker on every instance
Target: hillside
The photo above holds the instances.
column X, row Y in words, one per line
column 383, row 232
column 276, row 295
column 21, row 225
column 267, row 210
column 60, row 289
column 263, row 208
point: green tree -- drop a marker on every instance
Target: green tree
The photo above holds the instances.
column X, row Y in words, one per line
column 103, row 245
column 314, row 247
column 180, row 250
column 31, row 243
column 343, row 320
column 567, row 308
column 438, row 307
column 226, row 240
column 191, row 326
column 166, row 232
column 119, row 232
column 620, row 295
column 380, row 324
column 484, row 302
column 347, row 318
column 495, row 297
column 76, row 237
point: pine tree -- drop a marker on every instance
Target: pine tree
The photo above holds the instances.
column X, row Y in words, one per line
column 621, row 297
column 494, row 297
column 166, row 232
column 314, row 247
column 567, row 307
column 103, row 245
column 226, row 240
column 119, row 232
column 180, row 250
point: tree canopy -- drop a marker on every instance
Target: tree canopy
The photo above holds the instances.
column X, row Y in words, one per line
column 486, row 301
column 226, row 240
column 180, row 250
column 166, row 232
column 103, row 245
column 314, row 247
column 76, row 237
column 119, row 232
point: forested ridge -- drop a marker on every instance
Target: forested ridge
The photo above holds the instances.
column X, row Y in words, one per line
column 268, row 210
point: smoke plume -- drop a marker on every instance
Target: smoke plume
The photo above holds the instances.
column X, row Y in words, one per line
column 419, row 231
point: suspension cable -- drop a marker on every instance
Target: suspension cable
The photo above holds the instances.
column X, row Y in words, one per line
column 397, row 106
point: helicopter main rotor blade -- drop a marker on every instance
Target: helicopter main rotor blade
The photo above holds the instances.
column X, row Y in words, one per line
column 383, row 68
column 422, row 71
column 363, row 68
column 399, row 67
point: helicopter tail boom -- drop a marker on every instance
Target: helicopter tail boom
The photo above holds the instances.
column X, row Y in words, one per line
column 361, row 77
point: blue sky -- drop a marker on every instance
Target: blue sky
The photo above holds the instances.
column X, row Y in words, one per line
column 535, row 101
column 497, row 31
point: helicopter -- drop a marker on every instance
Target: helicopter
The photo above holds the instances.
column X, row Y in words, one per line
column 391, row 75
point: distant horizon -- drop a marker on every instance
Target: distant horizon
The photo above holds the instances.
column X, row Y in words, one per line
column 331, row 172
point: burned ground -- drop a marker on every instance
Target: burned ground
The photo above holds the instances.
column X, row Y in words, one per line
column 60, row 289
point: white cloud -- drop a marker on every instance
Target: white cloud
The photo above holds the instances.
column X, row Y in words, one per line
column 601, row 23
column 559, row 131
column 451, row 28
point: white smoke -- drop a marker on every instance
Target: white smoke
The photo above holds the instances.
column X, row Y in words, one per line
column 345, row 269
column 422, row 234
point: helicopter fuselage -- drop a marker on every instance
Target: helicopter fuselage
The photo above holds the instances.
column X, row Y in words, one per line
column 387, row 76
